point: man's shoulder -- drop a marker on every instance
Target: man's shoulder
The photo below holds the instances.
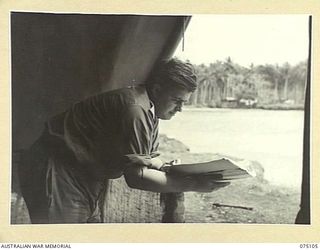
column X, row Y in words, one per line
column 130, row 91
column 132, row 95
column 117, row 99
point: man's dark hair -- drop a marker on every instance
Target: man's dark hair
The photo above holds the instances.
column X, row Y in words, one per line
column 174, row 73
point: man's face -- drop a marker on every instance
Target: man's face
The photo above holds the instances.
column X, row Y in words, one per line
column 170, row 101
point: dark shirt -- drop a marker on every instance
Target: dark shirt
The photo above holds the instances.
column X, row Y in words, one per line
column 102, row 129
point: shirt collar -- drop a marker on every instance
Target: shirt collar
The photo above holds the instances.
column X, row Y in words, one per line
column 145, row 100
column 152, row 110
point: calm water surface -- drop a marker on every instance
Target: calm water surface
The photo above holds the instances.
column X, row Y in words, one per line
column 273, row 138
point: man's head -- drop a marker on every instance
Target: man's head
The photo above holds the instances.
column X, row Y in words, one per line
column 170, row 86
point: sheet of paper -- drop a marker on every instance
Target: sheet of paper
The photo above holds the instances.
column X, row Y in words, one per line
column 221, row 169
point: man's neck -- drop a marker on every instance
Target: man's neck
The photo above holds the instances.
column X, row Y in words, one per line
column 149, row 92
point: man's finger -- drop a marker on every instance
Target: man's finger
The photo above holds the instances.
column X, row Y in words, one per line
column 154, row 154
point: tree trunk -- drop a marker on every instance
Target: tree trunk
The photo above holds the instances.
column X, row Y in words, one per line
column 285, row 93
column 275, row 92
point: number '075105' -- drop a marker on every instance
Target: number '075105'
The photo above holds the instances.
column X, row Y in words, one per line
column 309, row 246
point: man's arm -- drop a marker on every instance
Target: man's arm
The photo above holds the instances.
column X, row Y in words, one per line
column 158, row 181
column 141, row 168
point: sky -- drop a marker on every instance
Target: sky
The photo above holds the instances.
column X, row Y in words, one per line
column 257, row 39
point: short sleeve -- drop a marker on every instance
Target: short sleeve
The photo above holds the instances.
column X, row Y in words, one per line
column 137, row 131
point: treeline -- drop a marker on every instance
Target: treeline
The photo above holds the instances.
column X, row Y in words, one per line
column 266, row 85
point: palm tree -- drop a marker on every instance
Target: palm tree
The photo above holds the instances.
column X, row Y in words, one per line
column 285, row 70
column 272, row 74
column 297, row 80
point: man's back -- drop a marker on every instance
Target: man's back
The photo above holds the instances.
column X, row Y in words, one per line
column 102, row 128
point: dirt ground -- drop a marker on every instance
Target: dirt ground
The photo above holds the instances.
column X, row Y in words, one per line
column 251, row 200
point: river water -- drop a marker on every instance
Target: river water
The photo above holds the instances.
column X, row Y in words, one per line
column 273, row 138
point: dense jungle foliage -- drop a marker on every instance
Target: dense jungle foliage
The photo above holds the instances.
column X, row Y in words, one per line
column 267, row 86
